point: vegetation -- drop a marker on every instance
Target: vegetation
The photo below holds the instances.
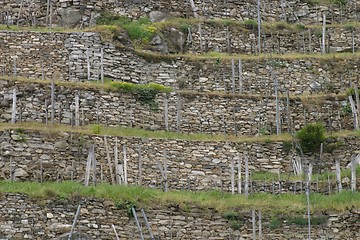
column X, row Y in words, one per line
column 145, row 93
column 125, row 196
column 311, row 136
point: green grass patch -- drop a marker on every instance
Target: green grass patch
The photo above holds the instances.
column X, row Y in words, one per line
column 222, row 202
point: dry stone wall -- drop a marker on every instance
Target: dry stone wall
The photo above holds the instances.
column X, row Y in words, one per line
column 194, row 165
column 82, row 13
column 41, row 54
column 187, row 113
column 24, row 217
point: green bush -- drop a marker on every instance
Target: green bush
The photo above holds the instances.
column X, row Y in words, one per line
column 250, row 24
column 311, row 136
column 145, row 93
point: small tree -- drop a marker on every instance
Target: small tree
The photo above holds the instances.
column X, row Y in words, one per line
column 311, row 136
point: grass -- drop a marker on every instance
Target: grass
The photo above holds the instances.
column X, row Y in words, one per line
column 221, row 202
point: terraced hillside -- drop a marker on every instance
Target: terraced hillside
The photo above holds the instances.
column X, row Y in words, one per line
column 185, row 112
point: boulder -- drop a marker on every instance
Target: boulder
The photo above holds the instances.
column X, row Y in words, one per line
column 157, row 16
column 70, row 17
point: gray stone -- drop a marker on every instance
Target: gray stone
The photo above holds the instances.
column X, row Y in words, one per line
column 157, row 16
column 70, row 17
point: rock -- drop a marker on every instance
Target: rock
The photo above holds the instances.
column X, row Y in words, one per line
column 20, row 173
column 175, row 40
column 158, row 45
column 4, row 104
column 70, row 17
column 157, row 16
column 49, row 215
column 233, row 12
column 122, row 38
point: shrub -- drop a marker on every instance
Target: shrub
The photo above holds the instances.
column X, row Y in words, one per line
column 311, row 136
column 250, row 24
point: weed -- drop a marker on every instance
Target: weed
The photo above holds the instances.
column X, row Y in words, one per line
column 287, row 146
column 275, row 223
column 311, row 136
column 50, row 193
column 96, row 129
column 250, row 24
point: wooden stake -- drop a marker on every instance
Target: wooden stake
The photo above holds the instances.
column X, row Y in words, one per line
column 140, row 165
column 77, row 111
column 353, row 174
column 239, row 176
column 88, row 63
column 246, row 176
column 13, row 110
column 232, row 176
column 125, row 166
column 323, row 50
column 253, row 220
column 166, row 110
column 117, row 170
column 116, row 234
column 102, row 66
column 52, row 99
column 259, row 26
column 240, row 77
column 356, row 90
column 192, row 4
column 233, row 75
column 74, row 222
column 178, row 115
column 338, row 175
column 109, row 161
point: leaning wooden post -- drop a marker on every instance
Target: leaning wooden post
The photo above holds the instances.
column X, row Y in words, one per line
column 125, row 166
column 338, row 175
column 353, row 174
column 13, row 110
column 246, row 176
column 192, row 4
column 74, row 222
column 354, row 112
column 232, row 176
column 356, row 90
column 109, row 161
column 116, row 234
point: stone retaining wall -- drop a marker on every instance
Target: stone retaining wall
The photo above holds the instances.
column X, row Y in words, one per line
column 82, row 13
column 23, row 217
column 194, row 165
column 41, row 54
column 187, row 113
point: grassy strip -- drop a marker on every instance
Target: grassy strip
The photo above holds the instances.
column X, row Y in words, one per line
column 222, row 202
column 130, row 87
column 141, row 133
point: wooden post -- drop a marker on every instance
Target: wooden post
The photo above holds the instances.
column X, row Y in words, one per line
column 309, row 33
column 338, row 175
column 77, row 111
column 102, row 66
column 109, row 161
column 42, row 71
column 354, row 111
column 253, row 220
column 232, row 176
column 165, row 171
column 260, row 224
column 246, row 177
column 46, row 112
column 116, row 234
column 259, row 28
column 137, row 223
column 200, row 38
column 320, row 157
column 15, row 69
column 233, row 75
column 41, row 171
column 323, row 50
column 47, row 12
column 166, row 110
column 288, row 116
column 147, row 224
column 140, row 165
column 228, row 40
column 116, row 156
column 88, row 166
column 178, row 115
column 278, row 129
column 352, row 41
column 74, row 222
column 51, row 13
column 13, row 110
column 88, row 63
column 356, row 90
column 192, row 4
column 308, row 209
column 239, row 176
column 93, row 164
column 329, row 185
column 309, row 173
column 52, row 99
column 125, row 166
column 353, row 174
column 240, row 77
